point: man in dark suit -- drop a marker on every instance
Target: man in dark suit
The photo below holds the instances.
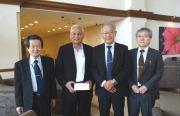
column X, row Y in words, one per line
column 73, row 65
column 147, row 69
column 35, row 86
column 110, row 71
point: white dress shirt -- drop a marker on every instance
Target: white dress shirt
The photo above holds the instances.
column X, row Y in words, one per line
column 80, row 63
column 33, row 77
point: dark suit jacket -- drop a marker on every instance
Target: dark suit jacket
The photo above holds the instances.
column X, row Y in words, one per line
column 66, row 65
column 152, row 72
column 23, row 83
column 120, row 68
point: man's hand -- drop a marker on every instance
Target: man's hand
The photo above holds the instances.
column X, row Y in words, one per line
column 53, row 103
column 109, row 85
column 135, row 88
column 69, row 86
column 143, row 89
column 19, row 110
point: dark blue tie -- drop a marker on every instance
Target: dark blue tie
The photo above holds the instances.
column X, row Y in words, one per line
column 39, row 78
column 109, row 63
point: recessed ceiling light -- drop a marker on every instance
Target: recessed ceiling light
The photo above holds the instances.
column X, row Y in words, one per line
column 48, row 31
column 31, row 24
column 53, row 29
column 66, row 26
column 36, row 22
column 59, row 28
column 22, row 28
column 26, row 26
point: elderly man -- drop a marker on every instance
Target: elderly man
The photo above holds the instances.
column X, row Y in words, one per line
column 110, row 71
column 73, row 66
column 147, row 69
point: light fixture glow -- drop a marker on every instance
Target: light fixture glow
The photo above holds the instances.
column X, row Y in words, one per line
column 31, row 24
column 36, row 22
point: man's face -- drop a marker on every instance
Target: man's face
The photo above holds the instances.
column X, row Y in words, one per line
column 34, row 48
column 143, row 39
column 76, row 36
column 108, row 34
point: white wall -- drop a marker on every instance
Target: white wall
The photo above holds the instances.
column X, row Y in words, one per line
column 166, row 7
column 124, row 32
column 9, row 36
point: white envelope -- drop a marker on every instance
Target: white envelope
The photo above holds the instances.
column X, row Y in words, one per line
column 81, row 86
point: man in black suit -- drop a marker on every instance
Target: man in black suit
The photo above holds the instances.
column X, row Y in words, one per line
column 73, row 65
column 110, row 71
column 35, row 86
column 147, row 69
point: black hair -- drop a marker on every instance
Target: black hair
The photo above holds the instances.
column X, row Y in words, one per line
column 32, row 37
column 146, row 30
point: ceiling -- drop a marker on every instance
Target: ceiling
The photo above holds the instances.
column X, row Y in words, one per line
column 52, row 22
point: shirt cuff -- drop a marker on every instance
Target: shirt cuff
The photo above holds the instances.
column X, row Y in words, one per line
column 115, row 82
column 102, row 84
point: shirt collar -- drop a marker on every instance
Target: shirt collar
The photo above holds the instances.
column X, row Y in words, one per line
column 110, row 44
column 145, row 49
column 32, row 59
column 81, row 46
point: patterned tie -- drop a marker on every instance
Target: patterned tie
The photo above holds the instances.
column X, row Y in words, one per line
column 109, row 63
column 39, row 78
column 141, row 67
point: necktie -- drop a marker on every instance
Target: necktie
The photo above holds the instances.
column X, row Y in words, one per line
column 141, row 67
column 39, row 78
column 109, row 63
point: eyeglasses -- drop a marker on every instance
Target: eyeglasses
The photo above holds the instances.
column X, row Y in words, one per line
column 35, row 47
column 108, row 33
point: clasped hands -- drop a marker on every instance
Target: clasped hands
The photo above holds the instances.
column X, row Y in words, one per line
column 141, row 89
column 110, row 86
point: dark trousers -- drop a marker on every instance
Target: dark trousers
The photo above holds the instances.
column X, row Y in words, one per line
column 41, row 105
column 116, row 99
column 77, row 103
column 140, row 102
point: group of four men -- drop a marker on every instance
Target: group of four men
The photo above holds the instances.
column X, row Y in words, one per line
column 116, row 71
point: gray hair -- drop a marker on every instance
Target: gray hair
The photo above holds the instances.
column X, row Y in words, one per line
column 77, row 26
column 110, row 24
column 146, row 30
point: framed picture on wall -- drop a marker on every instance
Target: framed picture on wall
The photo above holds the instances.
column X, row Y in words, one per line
column 169, row 40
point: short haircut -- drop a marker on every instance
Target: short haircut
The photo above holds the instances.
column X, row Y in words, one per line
column 146, row 30
column 77, row 26
column 32, row 37
column 110, row 24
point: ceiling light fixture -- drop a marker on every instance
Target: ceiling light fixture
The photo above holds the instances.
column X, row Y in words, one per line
column 22, row 28
column 53, row 29
column 59, row 28
column 31, row 24
column 26, row 26
column 66, row 26
column 48, row 31
column 36, row 22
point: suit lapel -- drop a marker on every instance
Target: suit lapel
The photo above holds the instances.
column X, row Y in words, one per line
column 43, row 66
column 103, row 57
column 28, row 71
column 116, row 49
column 148, row 58
column 134, row 55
